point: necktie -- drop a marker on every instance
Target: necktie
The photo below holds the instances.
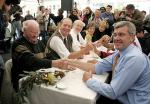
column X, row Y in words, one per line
column 108, row 80
column 115, row 63
column 78, row 37
column 65, row 41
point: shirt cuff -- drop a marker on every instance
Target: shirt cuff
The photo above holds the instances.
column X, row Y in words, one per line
column 90, row 81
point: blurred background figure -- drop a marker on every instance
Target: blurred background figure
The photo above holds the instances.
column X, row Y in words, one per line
column 146, row 23
column 108, row 16
column 102, row 9
column 28, row 16
column 74, row 15
column 57, row 18
column 134, row 15
column 16, row 12
column 143, row 13
column 88, row 15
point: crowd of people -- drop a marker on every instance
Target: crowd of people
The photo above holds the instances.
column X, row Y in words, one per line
column 46, row 40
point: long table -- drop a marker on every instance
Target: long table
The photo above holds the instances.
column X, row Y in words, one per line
column 76, row 91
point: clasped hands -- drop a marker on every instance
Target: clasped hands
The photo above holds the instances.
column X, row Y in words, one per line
column 63, row 64
column 70, row 64
column 90, row 46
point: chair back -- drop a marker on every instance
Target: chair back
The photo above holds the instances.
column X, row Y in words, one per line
column 7, row 90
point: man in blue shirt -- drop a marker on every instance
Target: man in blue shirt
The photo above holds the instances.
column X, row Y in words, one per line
column 108, row 16
column 130, row 82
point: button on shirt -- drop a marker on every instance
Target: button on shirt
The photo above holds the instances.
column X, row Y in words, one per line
column 130, row 83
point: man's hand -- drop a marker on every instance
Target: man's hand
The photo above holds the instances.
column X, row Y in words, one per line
column 89, row 46
column 64, row 64
column 87, row 75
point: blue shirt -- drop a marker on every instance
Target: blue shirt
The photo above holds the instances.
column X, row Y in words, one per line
column 130, row 83
column 108, row 15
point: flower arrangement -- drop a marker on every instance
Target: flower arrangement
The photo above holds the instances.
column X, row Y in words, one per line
column 48, row 78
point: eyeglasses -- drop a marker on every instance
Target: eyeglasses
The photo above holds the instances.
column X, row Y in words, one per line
column 119, row 34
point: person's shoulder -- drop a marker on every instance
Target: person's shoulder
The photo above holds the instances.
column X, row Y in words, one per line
column 147, row 35
column 138, row 13
column 55, row 39
column 103, row 14
column 19, row 41
column 134, row 52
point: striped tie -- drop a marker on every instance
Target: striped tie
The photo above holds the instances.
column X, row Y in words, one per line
column 109, row 78
column 115, row 63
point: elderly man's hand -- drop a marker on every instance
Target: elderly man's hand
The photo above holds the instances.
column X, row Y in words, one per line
column 64, row 64
column 87, row 75
column 61, row 64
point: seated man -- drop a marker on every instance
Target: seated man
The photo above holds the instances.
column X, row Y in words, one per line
column 130, row 83
column 61, row 45
column 28, row 53
column 76, row 36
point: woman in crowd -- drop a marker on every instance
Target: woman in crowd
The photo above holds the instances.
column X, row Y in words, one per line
column 88, row 33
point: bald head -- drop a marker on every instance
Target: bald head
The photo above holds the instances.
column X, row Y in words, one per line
column 31, row 30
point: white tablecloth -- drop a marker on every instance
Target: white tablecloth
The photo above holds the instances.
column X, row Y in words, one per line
column 76, row 91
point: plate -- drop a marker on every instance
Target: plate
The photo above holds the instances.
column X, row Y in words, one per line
column 61, row 86
column 52, row 70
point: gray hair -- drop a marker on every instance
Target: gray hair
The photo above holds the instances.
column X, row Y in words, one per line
column 28, row 23
column 78, row 22
column 130, row 25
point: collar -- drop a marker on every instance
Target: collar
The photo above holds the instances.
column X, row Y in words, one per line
column 62, row 35
column 126, row 50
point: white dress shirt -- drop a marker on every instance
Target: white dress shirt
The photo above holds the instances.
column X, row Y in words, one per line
column 59, row 47
column 77, row 44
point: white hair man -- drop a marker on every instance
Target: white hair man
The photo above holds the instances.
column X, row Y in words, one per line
column 76, row 36
column 28, row 53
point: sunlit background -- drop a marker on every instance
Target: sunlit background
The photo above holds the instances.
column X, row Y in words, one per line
column 54, row 5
